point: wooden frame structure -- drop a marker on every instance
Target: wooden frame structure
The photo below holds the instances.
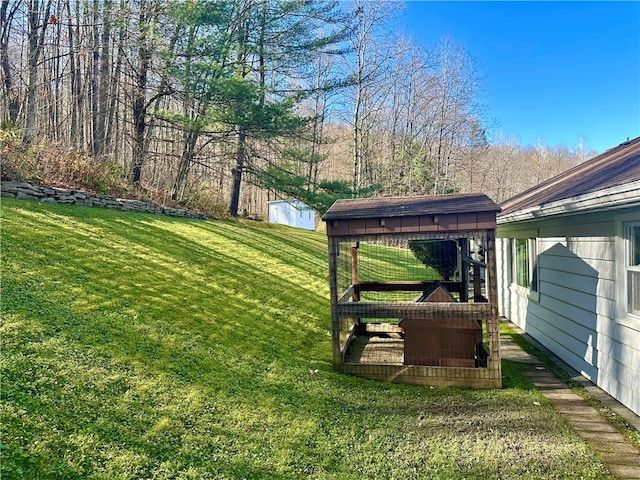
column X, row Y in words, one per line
column 402, row 219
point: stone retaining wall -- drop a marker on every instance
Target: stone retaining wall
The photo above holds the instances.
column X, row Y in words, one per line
column 28, row 191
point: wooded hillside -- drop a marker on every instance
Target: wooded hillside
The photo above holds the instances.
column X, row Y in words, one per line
column 245, row 101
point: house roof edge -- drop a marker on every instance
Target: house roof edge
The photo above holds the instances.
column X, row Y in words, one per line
column 627, row 195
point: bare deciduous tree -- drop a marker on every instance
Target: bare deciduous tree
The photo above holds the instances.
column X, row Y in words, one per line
column 38, row 16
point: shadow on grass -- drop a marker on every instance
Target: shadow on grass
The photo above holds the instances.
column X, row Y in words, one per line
column 136, row 346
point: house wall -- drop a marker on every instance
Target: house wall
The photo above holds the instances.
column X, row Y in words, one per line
column 575, row 313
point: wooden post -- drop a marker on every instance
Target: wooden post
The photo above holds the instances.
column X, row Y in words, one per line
column 464, row 269
column 477, row 283
column 493, row 324
column 354, row 270
column 491, row 280
column 333, row 246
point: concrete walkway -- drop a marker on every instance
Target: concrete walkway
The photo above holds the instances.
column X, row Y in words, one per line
column 622, row 458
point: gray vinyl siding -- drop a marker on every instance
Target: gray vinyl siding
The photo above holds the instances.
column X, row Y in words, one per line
column 574, row 313
column 565, row 314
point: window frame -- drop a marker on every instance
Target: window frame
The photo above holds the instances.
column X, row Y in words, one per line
column 532, row 274
column 521, row 262
column 624, row 314
column 631, row 269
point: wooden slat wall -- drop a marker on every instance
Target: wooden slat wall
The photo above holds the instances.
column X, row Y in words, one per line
column 412, row 224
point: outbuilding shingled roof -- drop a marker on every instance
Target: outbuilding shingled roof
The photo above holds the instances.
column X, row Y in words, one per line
column 387, row 207
column 615, row 167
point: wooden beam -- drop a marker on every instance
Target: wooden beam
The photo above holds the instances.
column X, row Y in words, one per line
column 333, row 246
column 406, row 286
column 354, row 269
column 464, row 270
column 477, row 311
column 349, row 292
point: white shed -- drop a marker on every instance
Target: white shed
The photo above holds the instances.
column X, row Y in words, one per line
column 293, row 213
column 568, row 254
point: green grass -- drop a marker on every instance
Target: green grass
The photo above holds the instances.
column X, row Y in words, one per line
column 379, row 262
column 632, row 435
column 137, row 346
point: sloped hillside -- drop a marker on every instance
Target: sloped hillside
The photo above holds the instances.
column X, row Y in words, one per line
column 137, row 346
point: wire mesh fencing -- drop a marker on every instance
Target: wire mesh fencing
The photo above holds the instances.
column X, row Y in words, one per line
column 414, row 302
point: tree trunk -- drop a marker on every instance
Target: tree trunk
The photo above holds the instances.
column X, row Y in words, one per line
column 37, row 28
column 93, row 79
column 140, row 99
column 114, row 92
column 241, row 154
column 76, row 131
column 186, row 160
column 101, row 82
column 139, row 124
column 11, row 94
column 242, row 70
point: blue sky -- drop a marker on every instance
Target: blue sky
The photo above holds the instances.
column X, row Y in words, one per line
column 552, row 71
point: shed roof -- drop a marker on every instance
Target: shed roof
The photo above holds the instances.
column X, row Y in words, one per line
column 387, row 207
column 615, row 167
column 292, row 201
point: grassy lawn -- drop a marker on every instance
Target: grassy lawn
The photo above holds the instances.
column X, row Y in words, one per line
column 137, row 346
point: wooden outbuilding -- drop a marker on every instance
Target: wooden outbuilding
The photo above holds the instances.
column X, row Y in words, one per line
column 293, row 213
column 413, row 289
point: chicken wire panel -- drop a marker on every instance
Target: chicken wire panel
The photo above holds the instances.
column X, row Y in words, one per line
column 413, row 301
column 381, row 266
column 452, row 343
column 361, row 262
column 343, row 266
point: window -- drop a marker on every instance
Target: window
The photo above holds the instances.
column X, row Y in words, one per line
column 521, row 262
column 632, row 267
column 524, row 263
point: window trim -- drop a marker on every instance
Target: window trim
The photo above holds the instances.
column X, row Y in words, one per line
column 623, row 224
column 518, row 274
column 533, row 269
column 635, row 269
